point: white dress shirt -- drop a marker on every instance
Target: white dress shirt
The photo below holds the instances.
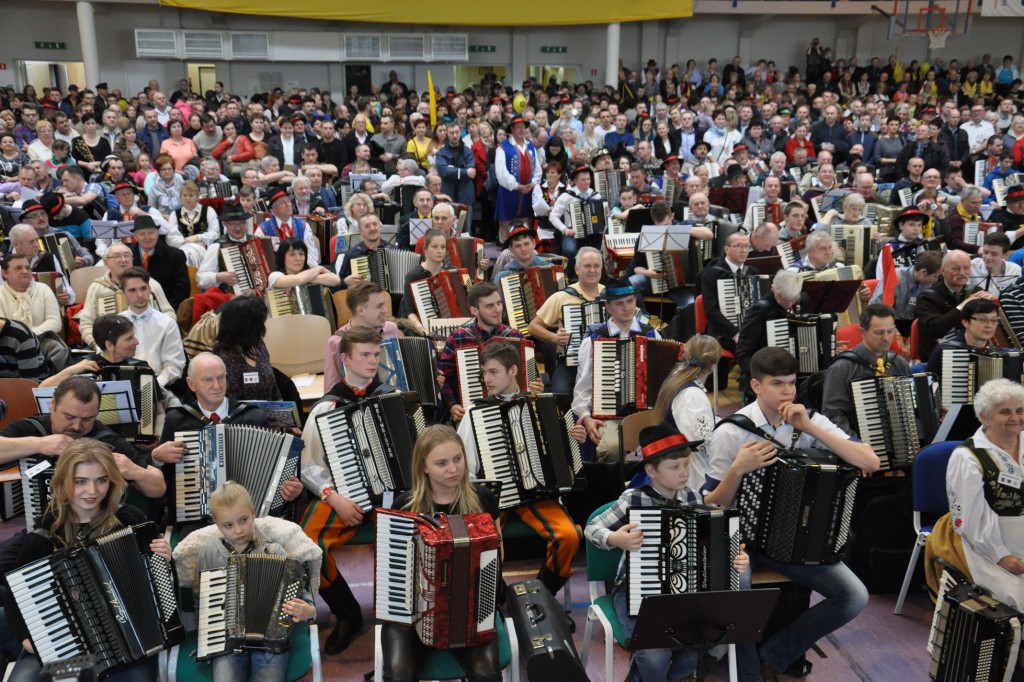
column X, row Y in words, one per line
column 583, row 393
column 160, row 343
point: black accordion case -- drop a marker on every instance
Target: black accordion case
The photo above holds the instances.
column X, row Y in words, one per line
column 545, row 642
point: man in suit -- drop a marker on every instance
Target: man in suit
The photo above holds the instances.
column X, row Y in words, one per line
column 923, row 148
column 730, row 266
column 939, row 308
column 423, row 203
column 165, row 264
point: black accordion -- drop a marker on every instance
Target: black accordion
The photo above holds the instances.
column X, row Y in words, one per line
column 369, row 446
column 973, row 637
column 525, row 444
column 470, row 378
column 77, row 669
column 36, row 474
column 577, row 319
column 736, row 295
column 409, row 363
column 965, row 370
column 799, row 509
column 685, row 549
column 240, row 604
column 628, row 373
column 811, row 339
column 588, row 217
column 386, row 267
column 306, row 299
column 888, row 410
column 111, row 598
column 258, row 459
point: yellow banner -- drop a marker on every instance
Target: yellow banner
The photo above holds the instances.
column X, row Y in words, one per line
column 451, row 12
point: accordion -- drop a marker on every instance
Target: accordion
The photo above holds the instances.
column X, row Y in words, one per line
column 386, row 267
column 470, row 377
column 467, row 253
column 857, row 241
column 368, row 446
column 973, row 636
column 36, row 473
column 111, row 303
column 240, row 604
column 258, row 459
column 791, row 251
column 905, row 256
column 799, row 509
column 410, row 365
column 60, row 246
column 248, row 261
column 306, row 299
column 671, row 190
column 628, row 373
column 737, row 294
column 965, row 370
column 1005, row 337
column 886, row 409
column 811, row 339
column 53, row 281
column 577, row 319
column 442, row 296
column 761, row 213
column 212, row 190
column 670, row 263
column 524, row 293
column 145, row 393
column 588, row 217
column 110, row 597
column 439, row 575
column 685, row 549
column 607, row 183
column 525, row 444
column 975, row 233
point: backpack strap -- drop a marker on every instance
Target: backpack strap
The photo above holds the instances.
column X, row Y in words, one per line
column 747, row 424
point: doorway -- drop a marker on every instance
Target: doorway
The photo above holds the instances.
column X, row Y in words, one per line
column 52, row 74
column 467, row 76
column 357, row 76
column 561, row 74
column 201, row 77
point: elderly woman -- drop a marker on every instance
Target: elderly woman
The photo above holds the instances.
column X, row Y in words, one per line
column 983, row 482
column 852, row 213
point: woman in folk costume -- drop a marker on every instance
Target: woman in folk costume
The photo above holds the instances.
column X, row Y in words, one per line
column 518, row 170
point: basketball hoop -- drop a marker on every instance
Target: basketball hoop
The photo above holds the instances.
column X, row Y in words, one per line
column 937, row 38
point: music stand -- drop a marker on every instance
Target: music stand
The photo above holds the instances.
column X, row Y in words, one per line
column 112, row 229
column 637, row 218
column 768, row 265
column 703, row 620
column 664, row 238
column 960, row 423
column 833, row 296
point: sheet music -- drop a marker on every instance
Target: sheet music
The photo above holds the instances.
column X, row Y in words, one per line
column 356, row 179
column 664, row 238
column 417, row 228
column 117, row 402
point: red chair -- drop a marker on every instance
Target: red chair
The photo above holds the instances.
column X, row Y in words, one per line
column 852, row 334
column 913, row 342
column 702, row 324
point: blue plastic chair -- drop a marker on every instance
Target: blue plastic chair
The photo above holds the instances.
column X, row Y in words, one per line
column 929, row 485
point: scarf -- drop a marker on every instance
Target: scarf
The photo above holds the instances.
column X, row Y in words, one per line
column 18, row 306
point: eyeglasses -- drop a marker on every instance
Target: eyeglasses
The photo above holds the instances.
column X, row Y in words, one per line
column 741, row 247
column 118, row 256
column 986, row 320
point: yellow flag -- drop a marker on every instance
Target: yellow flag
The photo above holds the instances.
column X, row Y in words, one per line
column 433, row 101
column 897, row 70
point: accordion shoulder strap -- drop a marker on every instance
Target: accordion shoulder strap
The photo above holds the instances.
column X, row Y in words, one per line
column 747, row 424
column 1003, row 499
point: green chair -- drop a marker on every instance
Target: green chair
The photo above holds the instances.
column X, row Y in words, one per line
column 441, row 665
column 602, row 565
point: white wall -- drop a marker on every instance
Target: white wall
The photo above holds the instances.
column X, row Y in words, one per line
column 780, row 38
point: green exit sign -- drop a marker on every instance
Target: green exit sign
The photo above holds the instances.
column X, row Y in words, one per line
column 41, row 45
column 481, row 48
column 553, row 49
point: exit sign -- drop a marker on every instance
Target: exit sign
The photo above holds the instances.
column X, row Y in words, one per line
column 40, row 45
column 481, row 48
column 553, row 49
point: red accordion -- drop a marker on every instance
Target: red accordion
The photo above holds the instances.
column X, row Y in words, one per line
column 628, row 373
column 524, row 293
column 438, row 574
column 441, row 296
column 467, row 252
column 248, row 260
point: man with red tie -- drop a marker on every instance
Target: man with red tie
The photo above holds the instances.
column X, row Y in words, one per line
column 517, row 169
column 164, row 263
column 282, row 225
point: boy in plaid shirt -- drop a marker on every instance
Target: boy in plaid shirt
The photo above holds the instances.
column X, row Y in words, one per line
column 666, row 460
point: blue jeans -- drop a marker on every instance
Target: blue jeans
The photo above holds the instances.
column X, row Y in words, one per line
column 264, row 666
column 28, row 667
column 563, row 379
column 844, row 597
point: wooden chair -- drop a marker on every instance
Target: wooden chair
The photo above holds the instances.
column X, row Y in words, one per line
column 193, row 285
column 296, row 343
column 81, row 278
column 17, row 393
column 341, row 312
column 631, row 428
